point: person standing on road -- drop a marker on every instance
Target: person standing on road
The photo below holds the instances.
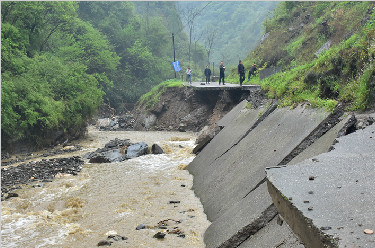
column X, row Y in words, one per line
column 207, row 73
column 241, row 72
column 252, row 70
column 188, row 75
column 222, row 69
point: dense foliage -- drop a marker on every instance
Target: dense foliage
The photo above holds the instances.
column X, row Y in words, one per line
column 343, row 72
column 61, row 59
column 49, row 69
column 143, row 48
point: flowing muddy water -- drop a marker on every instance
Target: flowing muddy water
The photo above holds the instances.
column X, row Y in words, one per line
column 80, row 211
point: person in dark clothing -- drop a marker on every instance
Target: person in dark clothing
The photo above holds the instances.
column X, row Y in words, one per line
column 222, row 69
column 207, row 73
column 252, row 70
column 241, row 72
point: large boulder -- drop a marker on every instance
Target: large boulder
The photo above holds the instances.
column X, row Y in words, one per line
column 136, row 150
column 149, row 121
column 103, row 123
column 126, row 122
column 117, row 143
column 156, row 149
column 113, row 151
column 109, row 156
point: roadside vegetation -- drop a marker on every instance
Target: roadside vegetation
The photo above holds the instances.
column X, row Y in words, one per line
column 152, row 97
column 342, row 73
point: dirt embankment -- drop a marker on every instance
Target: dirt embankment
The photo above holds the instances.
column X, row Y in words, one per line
column 186, row 109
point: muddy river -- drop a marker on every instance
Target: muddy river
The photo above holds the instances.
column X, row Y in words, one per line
column 112, row 199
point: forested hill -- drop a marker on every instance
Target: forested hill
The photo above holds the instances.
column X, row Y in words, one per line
column 167, row 13
column 60, row 60
column 235, row 26
column 226, row 30
column 326, row 52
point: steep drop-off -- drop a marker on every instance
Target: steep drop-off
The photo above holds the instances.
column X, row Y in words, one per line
column 229, row 173
column 186, row 109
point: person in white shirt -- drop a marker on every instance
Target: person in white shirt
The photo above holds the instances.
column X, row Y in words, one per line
column 188, row 75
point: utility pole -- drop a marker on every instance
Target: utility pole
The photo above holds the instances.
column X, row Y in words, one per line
column 190, row 14
column 174, row 54
column 191, row 29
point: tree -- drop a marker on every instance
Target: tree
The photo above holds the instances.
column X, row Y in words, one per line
column 143, row 47
column 210, row 35
column 52, row 65
column 39, row 21
column 189, row 14
column 239, row 22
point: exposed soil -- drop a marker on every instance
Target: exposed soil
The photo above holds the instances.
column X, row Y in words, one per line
column 186, row 109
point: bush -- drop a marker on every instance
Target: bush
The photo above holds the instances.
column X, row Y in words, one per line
column 50, row 95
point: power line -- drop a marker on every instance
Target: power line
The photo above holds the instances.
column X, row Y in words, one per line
column 189, row 20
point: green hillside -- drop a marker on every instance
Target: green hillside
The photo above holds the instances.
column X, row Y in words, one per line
column 167, row 12
column 343, row 72
column 237, row 26
column 61, row 60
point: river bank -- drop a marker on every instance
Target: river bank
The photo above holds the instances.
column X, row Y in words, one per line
column 103, row 199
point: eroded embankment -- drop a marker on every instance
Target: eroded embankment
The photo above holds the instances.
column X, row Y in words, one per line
column 229, row 173
column 186, row 109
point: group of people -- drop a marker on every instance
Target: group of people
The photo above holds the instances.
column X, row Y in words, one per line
column 241, row 71
column 207, row 73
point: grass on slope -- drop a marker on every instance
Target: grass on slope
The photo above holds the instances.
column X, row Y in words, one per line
column 152, row 97
column 345, row 72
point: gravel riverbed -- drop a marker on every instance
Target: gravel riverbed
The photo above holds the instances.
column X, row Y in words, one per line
column 140, row 202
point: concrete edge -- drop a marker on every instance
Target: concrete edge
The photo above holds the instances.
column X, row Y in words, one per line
column 232, row 114
column 216, row 88
column 251, row 229
column 303, row 227
column 325, row 125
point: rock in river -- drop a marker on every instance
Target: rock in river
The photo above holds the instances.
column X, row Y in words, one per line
column 159, row 235
column 104, row 243
column 43, row 171
column 116, row 151
column 156, row 149
column 136, row 150
column 114, row 155
column 112, row 152
column 140, row 226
